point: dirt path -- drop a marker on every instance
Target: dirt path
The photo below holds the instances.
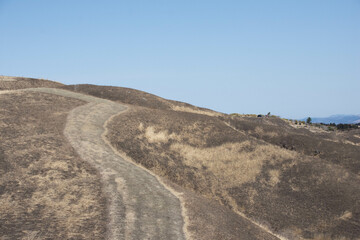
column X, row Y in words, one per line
column 140, row 207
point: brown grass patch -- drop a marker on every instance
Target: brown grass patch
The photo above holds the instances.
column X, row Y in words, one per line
column 233, row 163
column 157, row 137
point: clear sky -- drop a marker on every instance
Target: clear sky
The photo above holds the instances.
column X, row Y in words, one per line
column 291, row 58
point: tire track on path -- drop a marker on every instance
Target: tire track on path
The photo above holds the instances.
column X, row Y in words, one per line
column 140, row 207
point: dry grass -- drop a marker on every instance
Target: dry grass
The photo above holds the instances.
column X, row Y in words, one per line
column 260, row 132
column 330, row 146
column 7, row 79
column 233, row 163
column 46, row 190
column 156, row 137
column 262, row 167
column 324, row 236
column 12, row 83
column 195, row 110
column 32, row 235
column 138, row 98
column 347, row 215
column 276, row 185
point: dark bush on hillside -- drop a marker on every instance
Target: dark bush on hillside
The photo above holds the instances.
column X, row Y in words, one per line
column 346, row 126
column 308, row 120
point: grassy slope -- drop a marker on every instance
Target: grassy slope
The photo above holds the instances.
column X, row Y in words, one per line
column 268, row 171
column 13, row 83
column 57, row 205
column 296, row 182
column 335, row 148
column 204, row 214
column 136, row 97
column 46, row 190
column 290, row 192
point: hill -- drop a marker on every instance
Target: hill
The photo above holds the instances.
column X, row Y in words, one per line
column 13, row 83
column 236, row 176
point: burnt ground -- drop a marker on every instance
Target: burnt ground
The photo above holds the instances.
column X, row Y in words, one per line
column 46, row 190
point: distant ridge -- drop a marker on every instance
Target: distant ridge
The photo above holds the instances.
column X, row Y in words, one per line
column 339, row 118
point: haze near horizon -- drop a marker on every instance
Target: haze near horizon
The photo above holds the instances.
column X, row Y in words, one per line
column 294, row 59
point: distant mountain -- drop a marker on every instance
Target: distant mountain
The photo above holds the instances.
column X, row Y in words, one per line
column 339, row 118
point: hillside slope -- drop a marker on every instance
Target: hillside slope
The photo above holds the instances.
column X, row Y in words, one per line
column 295, row 182
column 12, row 83
column 238, row 177
column 137, row 98
column 44, row 197
column 46, row 190
column 291, row 193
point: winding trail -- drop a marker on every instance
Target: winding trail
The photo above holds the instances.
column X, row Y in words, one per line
column 140, row 207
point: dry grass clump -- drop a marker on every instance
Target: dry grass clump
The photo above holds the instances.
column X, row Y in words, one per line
column 234, row 163
column 156, row 137
column 265, row 134
column 46, row 190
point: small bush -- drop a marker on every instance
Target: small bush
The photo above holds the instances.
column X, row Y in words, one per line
column 330, row 128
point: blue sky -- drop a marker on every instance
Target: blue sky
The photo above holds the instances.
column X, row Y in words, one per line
column 292, row 58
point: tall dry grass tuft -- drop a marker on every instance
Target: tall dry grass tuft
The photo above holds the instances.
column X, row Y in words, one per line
column 234, row 163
